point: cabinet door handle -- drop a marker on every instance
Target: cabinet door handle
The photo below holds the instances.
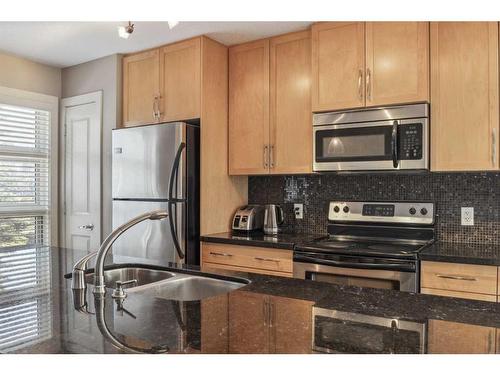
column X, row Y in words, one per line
column 267, row 259
column 271, row 156
column 266, row 156
column 271, row 314
column 154, row 107
column 360, row 84
column 494, row 147
column 220, row 254
column 368, row 84
column 158, row 113
column 265, row 312
column 457, row 277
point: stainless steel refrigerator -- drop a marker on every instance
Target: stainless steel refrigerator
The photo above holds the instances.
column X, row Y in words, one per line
column 157, row 167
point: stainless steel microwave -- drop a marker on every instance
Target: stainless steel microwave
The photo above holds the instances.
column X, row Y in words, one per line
column 373, row 139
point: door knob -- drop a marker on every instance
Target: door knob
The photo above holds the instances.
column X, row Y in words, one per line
column 87, row 227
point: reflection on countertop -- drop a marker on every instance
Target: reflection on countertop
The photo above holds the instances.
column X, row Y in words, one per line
column 462, row 253
column 39, row 313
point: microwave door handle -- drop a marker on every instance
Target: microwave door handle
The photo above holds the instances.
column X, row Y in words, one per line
column 394, row 144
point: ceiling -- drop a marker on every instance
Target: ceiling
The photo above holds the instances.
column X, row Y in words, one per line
column 63, row 44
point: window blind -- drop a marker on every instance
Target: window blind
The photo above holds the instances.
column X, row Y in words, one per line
column 24, row 176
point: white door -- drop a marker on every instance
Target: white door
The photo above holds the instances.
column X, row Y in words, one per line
column 81, row 118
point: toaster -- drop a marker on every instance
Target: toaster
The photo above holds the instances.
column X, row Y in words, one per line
column 248, row 218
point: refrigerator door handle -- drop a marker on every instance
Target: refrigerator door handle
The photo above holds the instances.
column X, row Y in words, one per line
column 174, row 200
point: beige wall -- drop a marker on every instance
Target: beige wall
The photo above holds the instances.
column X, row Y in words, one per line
column 101, row 74
column 22, row 74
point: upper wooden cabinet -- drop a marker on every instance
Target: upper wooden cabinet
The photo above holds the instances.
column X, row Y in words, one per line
column 270, row 126
column 163, row 84
column 141, row 87
column 180, row 80
column 397, row 62
column 338, row 63
column 464, row 95
column 249, row 108
column 356, row 64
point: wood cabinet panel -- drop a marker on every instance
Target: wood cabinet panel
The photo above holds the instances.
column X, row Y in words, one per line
column 290, row 104
column 397, row 62
column 464, row 95
column 180, row 80
column 459, row 277
column 457, row 294
column 141, row 77
column 248, row 257
column 457, row 338
column 338, row 63
column 248, row 327
column 214, row 324
column 249, row 108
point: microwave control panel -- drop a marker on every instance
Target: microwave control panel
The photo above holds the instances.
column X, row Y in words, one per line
column 410, row 141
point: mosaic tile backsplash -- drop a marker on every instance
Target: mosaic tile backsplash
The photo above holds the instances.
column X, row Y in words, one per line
column 449, row 192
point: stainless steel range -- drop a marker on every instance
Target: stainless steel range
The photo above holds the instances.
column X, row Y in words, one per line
column 370, row 244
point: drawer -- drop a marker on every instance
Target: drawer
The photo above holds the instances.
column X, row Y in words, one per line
column 459, row 277
column 248, row 257
column 456, row 294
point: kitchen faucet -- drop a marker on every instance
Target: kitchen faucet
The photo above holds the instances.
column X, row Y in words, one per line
column 78, row 276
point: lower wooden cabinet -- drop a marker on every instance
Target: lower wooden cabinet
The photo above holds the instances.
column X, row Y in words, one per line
column 253, row 259
column 457, row 338
column 261, row 323
column 214, row 325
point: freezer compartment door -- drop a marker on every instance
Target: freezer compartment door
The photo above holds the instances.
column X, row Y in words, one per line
column 143, row 158
column 149, row 240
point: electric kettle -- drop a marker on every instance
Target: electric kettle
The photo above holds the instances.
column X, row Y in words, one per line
column 273, row 216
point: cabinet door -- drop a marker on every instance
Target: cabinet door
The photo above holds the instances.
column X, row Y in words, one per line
column 464, row 95
column 248, row 323
column 457, row 338
column 397, row 62
column 291, row 122
column 214, row 324
column 180, row 80
column 291, row 329
column 249, row 108
column 338, row 63
column 141, row 78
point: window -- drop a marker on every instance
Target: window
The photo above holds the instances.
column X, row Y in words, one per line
column 26, row 169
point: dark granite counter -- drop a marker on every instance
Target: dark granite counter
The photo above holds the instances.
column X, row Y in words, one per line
column 279, row 241
column 269, row 315
column 462, row 253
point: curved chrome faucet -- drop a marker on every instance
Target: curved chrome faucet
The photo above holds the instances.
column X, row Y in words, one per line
column 78, row 274
column 99, row 286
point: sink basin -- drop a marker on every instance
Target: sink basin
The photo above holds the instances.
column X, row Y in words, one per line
column 142, row 275
column 186, row 287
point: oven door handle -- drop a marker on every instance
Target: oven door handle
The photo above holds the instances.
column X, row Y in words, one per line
column 394, row 144
column 409, row 267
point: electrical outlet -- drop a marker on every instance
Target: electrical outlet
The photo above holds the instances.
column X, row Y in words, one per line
column 467, row 216
column 298, row 209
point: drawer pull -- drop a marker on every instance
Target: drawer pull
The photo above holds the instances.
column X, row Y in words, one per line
column 221, row 254
column 457, row 277
column 267, row 259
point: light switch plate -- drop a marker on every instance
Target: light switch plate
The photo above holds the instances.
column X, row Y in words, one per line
column 298, row 210
column 467, row 217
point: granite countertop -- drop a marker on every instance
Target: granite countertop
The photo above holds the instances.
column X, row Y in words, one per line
column 279, row 241
column 65, row 321
column 462, row 253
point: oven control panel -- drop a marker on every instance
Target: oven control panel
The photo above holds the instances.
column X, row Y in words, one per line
column 385, row 212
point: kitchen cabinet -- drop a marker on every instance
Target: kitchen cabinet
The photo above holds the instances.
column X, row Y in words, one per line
column 357, row 64
column 459, row 280
column 180, row 80
column 290, row 148
column 214, row 324
column 270, row 106
column 464, row 95
column 266, row 324
column 141, row 88
column 262, row 260
column 457, row 338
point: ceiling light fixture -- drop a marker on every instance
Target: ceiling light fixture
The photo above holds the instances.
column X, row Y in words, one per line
column 172, row 24
column 125, row 31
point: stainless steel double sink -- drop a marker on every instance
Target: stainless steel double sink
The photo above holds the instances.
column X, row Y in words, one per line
column 169, row 284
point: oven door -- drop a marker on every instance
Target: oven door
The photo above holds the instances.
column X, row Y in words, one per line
column 381, row 145
column 384, row 273
column 346, row 332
